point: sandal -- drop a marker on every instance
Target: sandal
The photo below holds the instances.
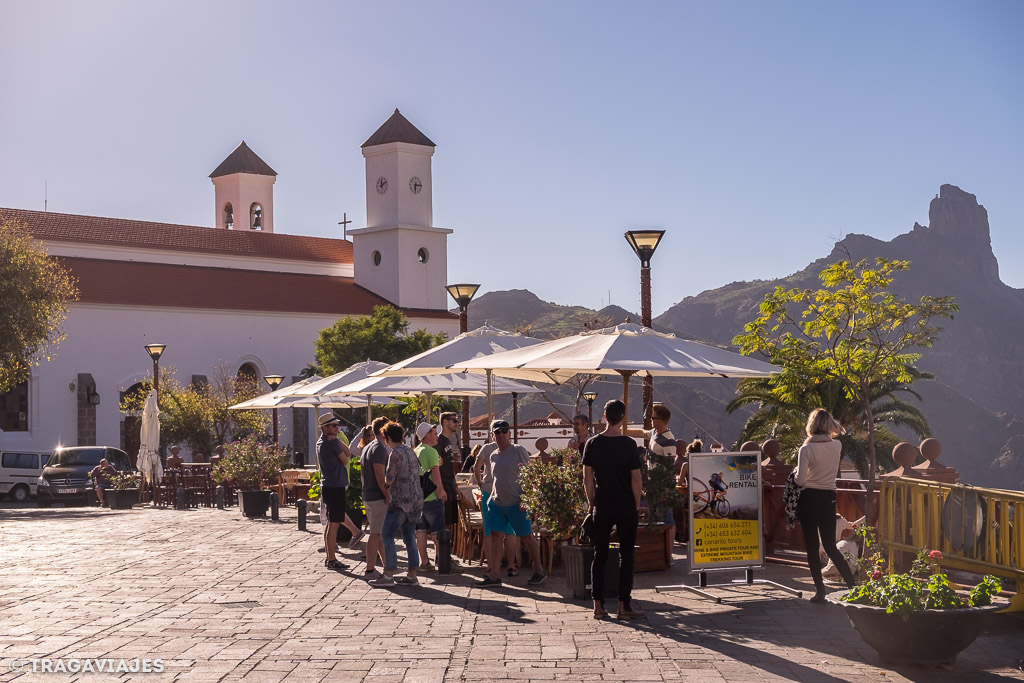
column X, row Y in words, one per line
column 334, row 564
column 600, row 613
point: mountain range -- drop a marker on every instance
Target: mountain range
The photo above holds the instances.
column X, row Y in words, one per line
column 975, row 403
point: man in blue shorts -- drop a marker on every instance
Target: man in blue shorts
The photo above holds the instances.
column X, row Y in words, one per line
column 503, row 506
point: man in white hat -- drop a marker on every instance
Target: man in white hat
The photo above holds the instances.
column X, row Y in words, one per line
column 432, row 519
column 332, row 455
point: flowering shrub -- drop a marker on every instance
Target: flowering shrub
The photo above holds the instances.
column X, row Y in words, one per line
column 554, row 494
column 923, row 587
column 249, row 462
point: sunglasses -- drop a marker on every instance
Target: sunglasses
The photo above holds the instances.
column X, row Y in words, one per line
column 501, row 431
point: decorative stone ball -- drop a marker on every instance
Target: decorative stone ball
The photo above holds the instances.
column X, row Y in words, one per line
column 749, row 446
column 931, row 449
column 771, row 448
column 904, row 454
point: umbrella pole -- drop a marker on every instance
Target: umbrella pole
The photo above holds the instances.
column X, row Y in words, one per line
column 490, row 401
column 369, row 409
column 625, row 394
column 515, row 417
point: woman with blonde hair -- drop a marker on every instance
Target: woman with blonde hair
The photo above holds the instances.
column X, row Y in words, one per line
column 816, row 470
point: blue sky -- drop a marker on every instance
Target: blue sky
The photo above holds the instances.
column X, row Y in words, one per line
column 755, row 133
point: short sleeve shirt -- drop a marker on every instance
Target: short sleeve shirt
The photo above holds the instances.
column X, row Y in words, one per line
column 375, row 453
column 505, row 466
column 446, row 450
column 403, row 473
column 428, row 458
column 613, row 459
column 332, row 471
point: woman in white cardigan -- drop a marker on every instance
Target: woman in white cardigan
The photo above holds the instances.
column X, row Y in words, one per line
column 816, row 470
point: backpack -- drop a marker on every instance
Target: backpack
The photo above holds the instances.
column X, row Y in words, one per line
column 427, row 484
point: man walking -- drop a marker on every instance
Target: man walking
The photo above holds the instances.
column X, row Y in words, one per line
column 373, row 463
column 612, row 479
column 503, row 506
column 333, row 457
column 580, row 433
column 432, row 519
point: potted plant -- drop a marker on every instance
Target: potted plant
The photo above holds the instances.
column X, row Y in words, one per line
column 918, row 617
column 250, row 464
column 555, row 498
column 124, row 490
column 660, row 496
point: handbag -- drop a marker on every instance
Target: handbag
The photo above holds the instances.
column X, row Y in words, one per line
column 587, row 530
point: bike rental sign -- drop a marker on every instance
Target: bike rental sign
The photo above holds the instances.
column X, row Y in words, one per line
column 725, row 511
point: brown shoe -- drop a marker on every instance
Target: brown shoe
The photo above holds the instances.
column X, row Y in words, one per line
column 600, row 613
column 630, row 614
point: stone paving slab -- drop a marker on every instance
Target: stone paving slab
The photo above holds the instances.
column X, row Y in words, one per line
column 221, row 598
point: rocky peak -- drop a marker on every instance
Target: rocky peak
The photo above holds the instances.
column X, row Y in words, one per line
column 958, row 227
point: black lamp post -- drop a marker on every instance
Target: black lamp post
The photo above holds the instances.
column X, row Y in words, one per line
column 644, row 243
column 274, row 381
column 463, row 294
column 155, row 351
column 590, row 396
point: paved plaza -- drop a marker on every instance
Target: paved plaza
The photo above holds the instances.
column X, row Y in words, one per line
column 218, row 597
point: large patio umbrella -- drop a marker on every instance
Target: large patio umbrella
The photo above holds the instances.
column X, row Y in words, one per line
column 275, row 398
column 483, row 341
column 148, row 461
column 625, row 350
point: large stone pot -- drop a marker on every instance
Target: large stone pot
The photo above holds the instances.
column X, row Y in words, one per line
column 254, row 503
column 927, row 637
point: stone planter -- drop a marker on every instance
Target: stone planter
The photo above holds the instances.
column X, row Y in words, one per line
column 927, row 637
column 254, row 503
column 578, row 561
column 123, row 499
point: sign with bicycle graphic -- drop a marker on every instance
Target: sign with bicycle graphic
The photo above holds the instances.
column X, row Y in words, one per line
column 725, row 510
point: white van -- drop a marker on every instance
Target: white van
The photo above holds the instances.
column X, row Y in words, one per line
column 19, row 472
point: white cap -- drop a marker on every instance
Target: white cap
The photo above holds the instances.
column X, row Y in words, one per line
column 423, row 429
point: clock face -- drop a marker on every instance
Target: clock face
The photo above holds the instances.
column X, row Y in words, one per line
column 382, row 185
column 415, row 185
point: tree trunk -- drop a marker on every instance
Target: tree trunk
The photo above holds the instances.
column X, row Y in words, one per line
column 869, row 502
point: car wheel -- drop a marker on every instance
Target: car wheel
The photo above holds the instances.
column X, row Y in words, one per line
column 19, row 494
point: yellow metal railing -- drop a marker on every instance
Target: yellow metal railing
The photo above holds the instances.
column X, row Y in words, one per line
column 976, row 529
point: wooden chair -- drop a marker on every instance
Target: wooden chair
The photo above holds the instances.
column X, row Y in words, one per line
column 471, row 527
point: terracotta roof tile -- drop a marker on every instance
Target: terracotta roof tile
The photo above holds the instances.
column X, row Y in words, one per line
column 398, row 129
column 130, row 283
column 243, row 160
column 66, row 227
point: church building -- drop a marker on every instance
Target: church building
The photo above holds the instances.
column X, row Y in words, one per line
column 237, row 294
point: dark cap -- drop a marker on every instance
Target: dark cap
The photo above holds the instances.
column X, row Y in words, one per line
column 499, row 424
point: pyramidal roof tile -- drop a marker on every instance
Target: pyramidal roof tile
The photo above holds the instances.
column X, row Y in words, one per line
column 243, row 160
column 398, row 129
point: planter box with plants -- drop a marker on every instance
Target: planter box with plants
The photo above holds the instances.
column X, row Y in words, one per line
column 249, row 464
column 124, row 490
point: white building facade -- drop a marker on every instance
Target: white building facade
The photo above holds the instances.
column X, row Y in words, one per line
column 238, row 295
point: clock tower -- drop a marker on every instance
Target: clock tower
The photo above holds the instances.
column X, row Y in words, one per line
column 399, row 255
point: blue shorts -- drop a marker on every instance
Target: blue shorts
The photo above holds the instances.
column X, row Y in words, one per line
column 486, row 514
column 509, row 516
column 432, row 519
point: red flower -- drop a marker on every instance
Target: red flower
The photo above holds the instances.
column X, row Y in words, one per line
column 876, row 575
column 935, row 555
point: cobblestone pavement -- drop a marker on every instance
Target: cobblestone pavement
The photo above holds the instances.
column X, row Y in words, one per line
column 218, row 597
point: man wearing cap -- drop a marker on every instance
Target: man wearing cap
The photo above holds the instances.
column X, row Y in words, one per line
column 503, row 507
column 332, row 455
column 432, row 519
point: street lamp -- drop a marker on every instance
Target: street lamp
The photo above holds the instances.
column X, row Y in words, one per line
column 590, row 396
column 644, row 243
column 463, row 294
column 274, row 381
column 155, row 351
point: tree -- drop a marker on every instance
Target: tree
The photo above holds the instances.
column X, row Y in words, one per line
column 782, row 415
column 384, row 337
column 853, row 331
column 35, row 291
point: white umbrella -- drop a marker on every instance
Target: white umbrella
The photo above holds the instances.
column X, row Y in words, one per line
column 275, row 398
column 625, row 349
column 148, row 461
column 483, row 341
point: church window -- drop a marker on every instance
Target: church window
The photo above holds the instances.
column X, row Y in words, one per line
column 229, row 216
column 377, row 258
column 247, row 371
column 256, row 216
column 422, row 255
column 14, row 409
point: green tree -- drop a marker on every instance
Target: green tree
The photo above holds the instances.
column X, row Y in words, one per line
column 853, row 331
column 384, row 337
column 35, row 291
column 782, row 415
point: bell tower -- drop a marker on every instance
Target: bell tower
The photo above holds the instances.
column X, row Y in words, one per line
column 244, row 191
column 400, row 255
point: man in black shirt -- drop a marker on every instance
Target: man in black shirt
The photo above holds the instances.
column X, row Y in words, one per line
column 612, row 480
column 448, row 424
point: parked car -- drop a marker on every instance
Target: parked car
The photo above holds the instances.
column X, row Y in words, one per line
column 19, row 473
column 65, row 479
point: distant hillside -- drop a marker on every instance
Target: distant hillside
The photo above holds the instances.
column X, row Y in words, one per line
column 520, row 309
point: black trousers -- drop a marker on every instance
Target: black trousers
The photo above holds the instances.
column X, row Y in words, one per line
column 624, row 519
column 817, row 514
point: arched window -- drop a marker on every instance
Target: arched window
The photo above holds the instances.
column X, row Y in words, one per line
column 248, row 371
column 256, row 216
column 229, row 216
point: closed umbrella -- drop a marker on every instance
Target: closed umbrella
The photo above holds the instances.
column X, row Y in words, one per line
column 148, row 461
